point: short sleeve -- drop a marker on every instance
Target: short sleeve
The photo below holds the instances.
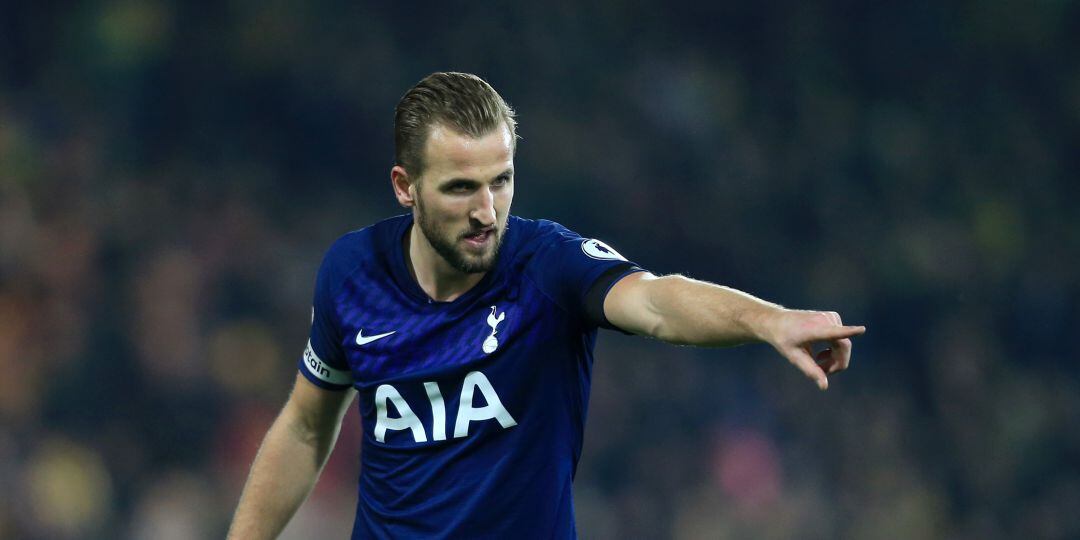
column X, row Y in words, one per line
column 323, row 361
column 577, row 272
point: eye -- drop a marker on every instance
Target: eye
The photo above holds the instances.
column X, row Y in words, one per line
column 501, row 181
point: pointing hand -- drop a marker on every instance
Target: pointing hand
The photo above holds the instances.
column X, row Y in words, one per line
column 792, row 333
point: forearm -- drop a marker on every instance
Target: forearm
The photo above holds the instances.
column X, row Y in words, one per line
column 691, row 312
column 285, row 469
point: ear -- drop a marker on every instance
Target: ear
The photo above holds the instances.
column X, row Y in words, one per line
column 404, row 189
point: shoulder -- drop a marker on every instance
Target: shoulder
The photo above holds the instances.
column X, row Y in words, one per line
column 531, row 234
column 545, row 228
column 360, row 248
column 525, row 238
column 544, row 236
column 368, row 241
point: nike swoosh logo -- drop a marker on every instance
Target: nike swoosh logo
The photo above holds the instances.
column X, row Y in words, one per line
column 361, row 340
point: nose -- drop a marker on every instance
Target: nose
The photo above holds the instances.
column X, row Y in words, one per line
column 483, row 210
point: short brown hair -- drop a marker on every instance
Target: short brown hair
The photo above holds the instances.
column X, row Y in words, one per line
column 461, row 101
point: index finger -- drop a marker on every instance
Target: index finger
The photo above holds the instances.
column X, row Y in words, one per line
column 833, row 333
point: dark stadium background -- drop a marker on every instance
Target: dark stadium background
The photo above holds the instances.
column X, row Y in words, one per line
column 171, row 172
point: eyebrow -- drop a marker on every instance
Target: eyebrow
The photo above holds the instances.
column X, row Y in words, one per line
column 508, row 172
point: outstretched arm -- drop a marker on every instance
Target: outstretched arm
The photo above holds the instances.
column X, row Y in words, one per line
column 290, row 459
column 684, row 311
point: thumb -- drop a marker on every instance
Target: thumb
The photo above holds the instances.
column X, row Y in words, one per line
column 802, row 360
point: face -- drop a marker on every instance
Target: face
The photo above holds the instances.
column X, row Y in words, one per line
column 462, row 201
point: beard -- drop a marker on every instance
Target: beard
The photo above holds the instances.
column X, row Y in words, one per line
column 448, row 244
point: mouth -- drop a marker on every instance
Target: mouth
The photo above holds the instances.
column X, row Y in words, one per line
column 479, row 239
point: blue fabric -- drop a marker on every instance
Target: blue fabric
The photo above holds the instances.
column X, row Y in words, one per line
column 507, row 472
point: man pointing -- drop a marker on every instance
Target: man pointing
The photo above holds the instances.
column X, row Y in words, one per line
column 468, row 335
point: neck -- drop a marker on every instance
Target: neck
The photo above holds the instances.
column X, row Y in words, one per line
column 440, row 281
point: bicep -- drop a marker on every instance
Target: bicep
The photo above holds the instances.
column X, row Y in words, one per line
column 628, row 304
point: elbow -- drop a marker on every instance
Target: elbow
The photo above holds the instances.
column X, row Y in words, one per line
column 304, row 426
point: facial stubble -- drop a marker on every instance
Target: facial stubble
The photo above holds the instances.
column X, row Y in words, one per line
column 449, row 249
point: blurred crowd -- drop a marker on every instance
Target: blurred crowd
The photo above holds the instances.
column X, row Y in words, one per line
column 171, row 173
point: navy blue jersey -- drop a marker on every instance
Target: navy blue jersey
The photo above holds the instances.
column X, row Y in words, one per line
column 473, row 410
